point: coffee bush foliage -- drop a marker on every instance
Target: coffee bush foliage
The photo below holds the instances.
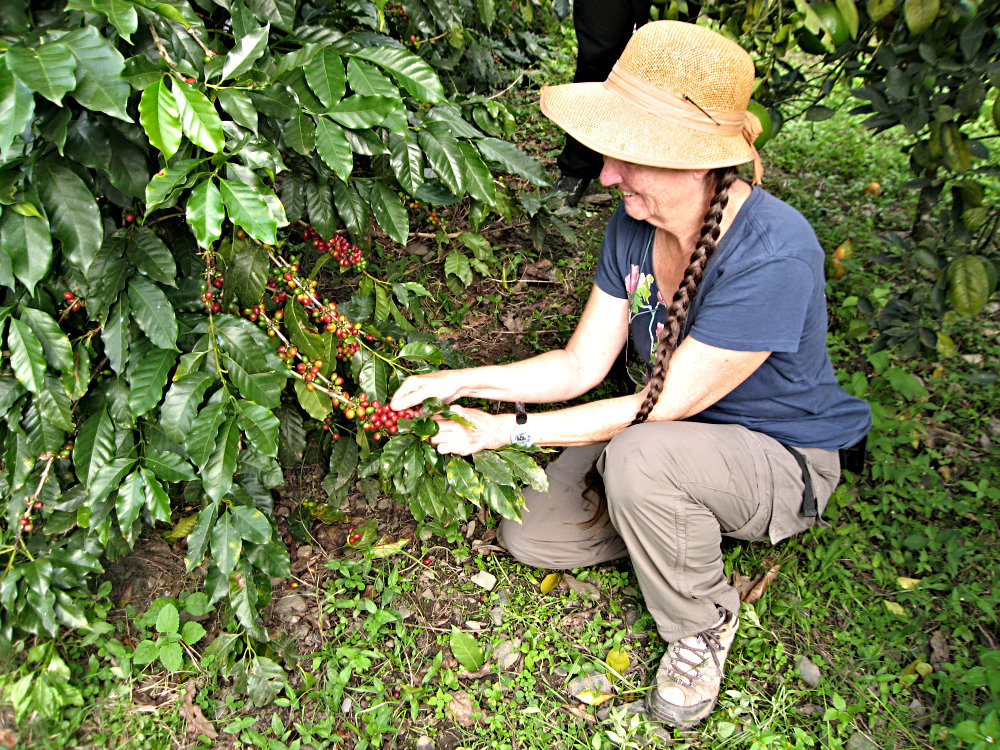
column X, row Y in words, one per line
column 174, row 178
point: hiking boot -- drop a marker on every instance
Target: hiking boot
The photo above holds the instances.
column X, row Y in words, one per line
column 574, row 187
column 687, row 683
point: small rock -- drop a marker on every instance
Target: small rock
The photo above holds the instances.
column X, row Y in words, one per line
column 597, row 198
column 417, row 248
column 973, row 359
column 507, row 653
column 470, row 529
column 484, row 580
column 473, row 625
column 808, row 671
column 631, row 617
column 289, row 604
column 303, row 552
column 384, row 504
column 596, row 681
column 635, row 707
column 424, row 743
column 811, row 708
column 920, row 712
column 496, row 616
column 426, row 594
column 282, row 511
column 405, row 612
column 561, row 672
column 345, row 707
column 630, row 591
column 503, row 597
column 860, row 741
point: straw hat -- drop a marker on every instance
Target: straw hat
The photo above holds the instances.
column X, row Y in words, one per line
column 677, row 97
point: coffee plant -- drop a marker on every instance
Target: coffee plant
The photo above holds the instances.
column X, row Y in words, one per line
column 178, row 183
column 928, row 68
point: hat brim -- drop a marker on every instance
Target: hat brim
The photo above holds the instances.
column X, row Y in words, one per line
column 612, row 126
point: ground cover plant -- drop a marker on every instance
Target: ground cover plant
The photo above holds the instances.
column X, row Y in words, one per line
column 382, row 625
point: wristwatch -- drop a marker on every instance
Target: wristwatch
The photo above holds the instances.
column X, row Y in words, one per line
column 522, row 435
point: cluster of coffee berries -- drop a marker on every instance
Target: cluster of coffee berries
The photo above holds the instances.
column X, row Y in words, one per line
column 391, row 8
column 379, row 419
column 353, row 537
column 343, row 252
column 27, row 525
column 64, row 453
column 73, row 303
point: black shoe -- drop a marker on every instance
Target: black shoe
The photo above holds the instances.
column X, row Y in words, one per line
column 574, row 187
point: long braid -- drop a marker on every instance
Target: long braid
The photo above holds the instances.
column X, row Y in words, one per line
column 678, row 311
column 674, row 324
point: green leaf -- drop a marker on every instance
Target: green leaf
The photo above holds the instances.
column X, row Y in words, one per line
column 239, row 106
column 192, row 632
column 300, row 134
column 17, row 108
column 198, row 539
column 465, row 650
column 320, row 207
column 131, row 499
column 115, row 334
column 168, row 466
column 99, row 65
column 47, row 69
column 168, row 620
column 27, row 241
column 164, row 183
column 359, row 112
column 121, row 14
column 199, row 120
column 390, row 212
column 457, row 264
column 205, row 213
column 161, row 118
column 260, row 426
column 252, row 525
column 421, row 351
column 351, row 206
column 246, row 272
column 148, row 379
column 374, row 378
column 171, row 655
column 493, row 468
column 280, row 13
column 366, row 80
column 145, row 653
column 920, row 14
column 54, row 342
column 478, row 178
column 181, row 404
column 26, row 356
column 94, row 445
column 151, row 256
column 462, row 479
column 153, row 312
column 446, row 158
column 407, row 162
column 54, row 405
column 74, row 217
column 504, row 500
column 525, row 469
column 247, row 51
column 325, row 76
column 203, row 436
column 156, row 498
column 968, row 285
column 514, row 160
column 316, row 403
column 218, row 474
column 248, row 209
column 227, row 544
column 333, row 148
column 409, row 70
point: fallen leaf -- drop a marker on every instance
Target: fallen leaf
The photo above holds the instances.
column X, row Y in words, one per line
column 742, row 584
column 761, row 586
column 940, row 653
column 385, row 548
column 618, row 661
column 895, row 608
column 550, row 582
column 460, row 707
column 196, row 721
column 581, row 713
column 593, row 697
column 8, row 738
column 907, row 583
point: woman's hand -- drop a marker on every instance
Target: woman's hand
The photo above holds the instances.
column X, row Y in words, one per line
column 488, row 431
column 443, row 384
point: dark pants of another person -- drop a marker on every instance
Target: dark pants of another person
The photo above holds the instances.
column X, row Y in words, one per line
column 603, row 28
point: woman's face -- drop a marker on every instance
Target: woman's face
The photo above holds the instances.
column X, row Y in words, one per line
column 663, row 197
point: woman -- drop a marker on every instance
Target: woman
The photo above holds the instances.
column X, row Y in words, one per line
column 704, row 449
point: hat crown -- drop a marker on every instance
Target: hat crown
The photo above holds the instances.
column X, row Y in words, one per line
column 692, row 62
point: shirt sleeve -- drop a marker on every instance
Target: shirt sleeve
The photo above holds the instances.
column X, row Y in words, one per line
column 759, row 308
column 610, row 275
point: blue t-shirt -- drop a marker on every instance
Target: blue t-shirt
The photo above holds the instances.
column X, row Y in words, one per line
column 763, row 290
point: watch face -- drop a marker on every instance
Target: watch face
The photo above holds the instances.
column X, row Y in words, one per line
column 523, row 438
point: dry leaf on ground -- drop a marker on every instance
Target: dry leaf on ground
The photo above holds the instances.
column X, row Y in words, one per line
column 196, row 721
column 460, row 707
column 8, row 738
column 761, row 585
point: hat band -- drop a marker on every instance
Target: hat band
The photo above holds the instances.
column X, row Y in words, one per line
column 685, row 112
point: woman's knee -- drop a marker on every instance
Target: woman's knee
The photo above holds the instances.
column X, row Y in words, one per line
column 636, row 469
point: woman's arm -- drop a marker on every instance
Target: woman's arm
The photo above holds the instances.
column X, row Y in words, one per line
column 699, row 375
column 558, row 375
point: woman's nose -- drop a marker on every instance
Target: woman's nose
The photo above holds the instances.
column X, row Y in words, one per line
column 611, row 171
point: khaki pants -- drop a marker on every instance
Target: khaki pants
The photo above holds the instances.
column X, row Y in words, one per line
column 674, row 490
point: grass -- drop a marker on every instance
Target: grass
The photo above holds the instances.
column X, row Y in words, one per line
column 893, row 604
